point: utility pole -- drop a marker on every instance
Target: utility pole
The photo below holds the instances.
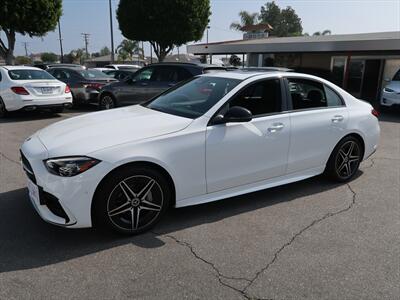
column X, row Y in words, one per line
column 60, row 38
column 26, row 47
column 208, row 27
column 86, row 39
column 112, row 33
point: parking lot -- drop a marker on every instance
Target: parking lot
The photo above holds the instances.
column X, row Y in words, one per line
column 308, row 240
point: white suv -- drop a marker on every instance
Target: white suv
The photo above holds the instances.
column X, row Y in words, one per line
column 29, row 88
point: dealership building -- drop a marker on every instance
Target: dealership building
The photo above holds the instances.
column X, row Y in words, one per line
column 360, row 63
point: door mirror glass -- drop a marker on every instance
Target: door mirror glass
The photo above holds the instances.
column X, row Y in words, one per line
column 236, row 114
column 130, row 80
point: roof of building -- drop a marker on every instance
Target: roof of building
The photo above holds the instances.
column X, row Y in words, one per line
column 378, row 41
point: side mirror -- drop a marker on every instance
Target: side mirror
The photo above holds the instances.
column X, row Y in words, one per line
column 236, row 114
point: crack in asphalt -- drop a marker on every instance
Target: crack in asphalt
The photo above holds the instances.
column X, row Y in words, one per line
column 9, row 159
column 324, row 217
column 219, row 274
column 244, row 291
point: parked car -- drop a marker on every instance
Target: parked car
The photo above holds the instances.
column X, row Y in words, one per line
column 45, row 66
column 149, row 82
column 216, row 136
column 85, row 84
column 391, row 93
column 123, row 67
column 29, row 88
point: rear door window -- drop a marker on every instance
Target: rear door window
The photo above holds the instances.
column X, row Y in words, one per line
column 306, row 94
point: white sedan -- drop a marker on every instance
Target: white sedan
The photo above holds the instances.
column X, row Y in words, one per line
column 213, row 137
column 391, row 93
column 29, row 88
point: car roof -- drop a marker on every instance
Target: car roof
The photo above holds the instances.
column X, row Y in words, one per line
column 243, row 75
column 20, row 68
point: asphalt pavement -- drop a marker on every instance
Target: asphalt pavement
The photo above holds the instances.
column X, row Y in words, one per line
column 309, row 240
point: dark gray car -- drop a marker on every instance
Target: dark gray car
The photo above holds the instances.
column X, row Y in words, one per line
column 85, row 84
column 150, row 81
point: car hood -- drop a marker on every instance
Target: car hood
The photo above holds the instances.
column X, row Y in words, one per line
column 394, row 85
column 95, row 131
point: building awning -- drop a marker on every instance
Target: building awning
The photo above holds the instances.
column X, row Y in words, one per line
column 379, row 41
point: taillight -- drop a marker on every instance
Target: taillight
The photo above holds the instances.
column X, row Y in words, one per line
column 375, row 112
column 96, row 86
column 67, row 89
column 19, row 90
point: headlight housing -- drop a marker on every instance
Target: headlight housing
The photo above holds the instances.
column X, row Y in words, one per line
column 388, row 90
column 70, row 166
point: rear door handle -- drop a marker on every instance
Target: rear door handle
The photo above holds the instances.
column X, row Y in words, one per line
column 337, row 119
column 276, row 127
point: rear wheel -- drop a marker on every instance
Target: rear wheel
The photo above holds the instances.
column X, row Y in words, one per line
column 132, row 200
column 345, row 159
column 106, row 102
column 3, row 110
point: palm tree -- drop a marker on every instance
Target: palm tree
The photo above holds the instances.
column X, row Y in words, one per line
column 246, row 18
column 325, row 32
column 128, row 48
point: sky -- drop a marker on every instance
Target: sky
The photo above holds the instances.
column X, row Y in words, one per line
column 340, row 16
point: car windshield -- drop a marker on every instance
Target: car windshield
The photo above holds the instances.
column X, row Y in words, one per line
column 91, row 74
column 397, row 76
column 193, row 98
column 29, row 74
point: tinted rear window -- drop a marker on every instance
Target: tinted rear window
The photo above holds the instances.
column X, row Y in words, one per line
column 29, row 75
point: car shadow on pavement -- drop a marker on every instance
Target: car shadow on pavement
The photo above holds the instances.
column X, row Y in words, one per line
column 28, row 242
column 392, row 116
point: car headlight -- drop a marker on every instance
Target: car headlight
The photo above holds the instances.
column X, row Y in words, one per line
column 70, row 166
column 388, row 90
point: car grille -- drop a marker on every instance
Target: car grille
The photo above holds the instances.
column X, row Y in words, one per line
column 27, row 168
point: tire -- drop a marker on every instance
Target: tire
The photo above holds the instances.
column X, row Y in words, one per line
column 107, row 102
column 3, row 110
column 131, row 200
column 345, row 159
column 57, row 110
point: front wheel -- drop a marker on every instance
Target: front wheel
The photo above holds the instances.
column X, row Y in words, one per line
column 132, row 200
column 3, row 110
column 345, row 160
column 106, row 102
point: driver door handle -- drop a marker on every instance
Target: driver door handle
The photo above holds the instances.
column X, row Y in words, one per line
column 276, row 127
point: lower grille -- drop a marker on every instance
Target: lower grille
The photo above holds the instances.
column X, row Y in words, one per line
column 52, row 204
column 28, row 168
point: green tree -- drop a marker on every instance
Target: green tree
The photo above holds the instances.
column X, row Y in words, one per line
column 27, row 17
column 49, row 57
column 246, row 18
column 77, row 56
column 105, row 51
column 284, row 21
column 164, row 23
column 127, row 49
column 23, row 60
column 235, row 60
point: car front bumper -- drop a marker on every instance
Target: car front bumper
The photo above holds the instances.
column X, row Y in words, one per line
column 63, row 201
column 390, row 99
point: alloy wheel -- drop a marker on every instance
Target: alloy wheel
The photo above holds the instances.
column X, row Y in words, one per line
column 107, row 102
column 347, row 159
column 135, row 203
column 2, row 109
